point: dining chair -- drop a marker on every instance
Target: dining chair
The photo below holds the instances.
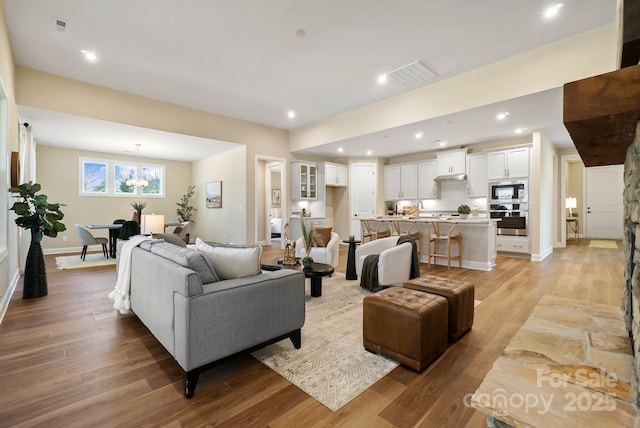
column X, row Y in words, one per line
column 88, row 239
column 128, row 229
column 449, row 237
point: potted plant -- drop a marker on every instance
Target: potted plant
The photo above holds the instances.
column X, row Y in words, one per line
column 464, row 211
column 138, row 206
column 36, row 214
column 185, row 210
column 308, row 238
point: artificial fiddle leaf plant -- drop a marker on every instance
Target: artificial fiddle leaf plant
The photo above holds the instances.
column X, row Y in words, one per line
column 35, row 213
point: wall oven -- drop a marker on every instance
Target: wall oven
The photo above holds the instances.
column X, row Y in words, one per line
column 512, row 218
column 508, row 191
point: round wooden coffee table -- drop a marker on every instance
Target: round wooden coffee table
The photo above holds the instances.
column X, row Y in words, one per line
column 315, row 272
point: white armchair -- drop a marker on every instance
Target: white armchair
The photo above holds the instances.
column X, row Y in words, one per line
column 328, row 254
column 394, row 263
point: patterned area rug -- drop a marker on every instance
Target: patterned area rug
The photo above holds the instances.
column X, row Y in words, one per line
column 332, row 366
column 91, row 260
column 603, row 243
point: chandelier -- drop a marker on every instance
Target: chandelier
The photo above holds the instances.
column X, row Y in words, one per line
column 135, row 181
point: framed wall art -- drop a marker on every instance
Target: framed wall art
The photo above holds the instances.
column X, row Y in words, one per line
column 275, row 197
column 214, row 194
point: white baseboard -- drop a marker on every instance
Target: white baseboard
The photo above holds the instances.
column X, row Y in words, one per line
column 542, row 256
column 4, row 304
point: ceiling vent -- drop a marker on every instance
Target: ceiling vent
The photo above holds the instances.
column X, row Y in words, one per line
column 412, row 75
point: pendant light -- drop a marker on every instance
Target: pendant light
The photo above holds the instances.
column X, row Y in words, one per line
column 135, row 181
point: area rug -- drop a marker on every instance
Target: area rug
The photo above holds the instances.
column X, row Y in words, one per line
column 603, row 243
column 332, row 366
column 91, row 260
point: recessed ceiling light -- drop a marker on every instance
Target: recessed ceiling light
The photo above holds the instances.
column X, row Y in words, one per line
column 369, row 152
column 340, row 149
column 443, row 143
column 520, row 130
column 382, row 79
column 291, row 114
column 419, row 134
column 553, row 10
column 300, row 33
column 502, row 116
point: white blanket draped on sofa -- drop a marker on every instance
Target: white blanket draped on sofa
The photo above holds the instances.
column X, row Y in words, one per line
column 120, row 294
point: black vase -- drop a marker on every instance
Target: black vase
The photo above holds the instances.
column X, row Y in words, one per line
column 35, row 273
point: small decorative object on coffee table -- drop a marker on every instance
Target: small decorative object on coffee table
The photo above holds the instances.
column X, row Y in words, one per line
column 289, row 258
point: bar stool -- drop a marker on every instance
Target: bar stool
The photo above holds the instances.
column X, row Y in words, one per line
column 449, row 237
column 385, row 228
column 413, row 230
column 366, row 231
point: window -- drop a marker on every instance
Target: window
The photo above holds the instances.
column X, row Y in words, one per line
column 95, row 178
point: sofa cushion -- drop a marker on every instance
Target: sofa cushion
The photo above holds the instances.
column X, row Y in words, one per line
column 323, row 236
column 189, row 258
column 171, row 238
column 232, row 261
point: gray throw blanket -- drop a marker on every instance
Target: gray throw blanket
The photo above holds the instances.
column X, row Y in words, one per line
column 369, row 276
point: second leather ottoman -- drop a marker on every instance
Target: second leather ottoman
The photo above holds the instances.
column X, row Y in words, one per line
column 406, row 325
column 460, row 296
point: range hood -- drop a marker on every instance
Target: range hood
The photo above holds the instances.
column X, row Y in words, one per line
column 450, row 177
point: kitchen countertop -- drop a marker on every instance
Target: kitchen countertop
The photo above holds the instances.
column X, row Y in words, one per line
column 432, row 218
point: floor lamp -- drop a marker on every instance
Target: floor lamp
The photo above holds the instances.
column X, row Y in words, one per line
column 571, row 203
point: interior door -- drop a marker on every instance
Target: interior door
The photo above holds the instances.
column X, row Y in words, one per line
column 604, row 205
column 363, row 194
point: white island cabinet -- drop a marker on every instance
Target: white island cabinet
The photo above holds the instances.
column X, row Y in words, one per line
column 478, row 238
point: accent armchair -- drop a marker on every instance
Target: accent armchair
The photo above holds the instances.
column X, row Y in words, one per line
column 394, row 262
column 328, row 254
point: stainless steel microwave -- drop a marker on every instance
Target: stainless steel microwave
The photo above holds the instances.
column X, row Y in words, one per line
column 508, row 191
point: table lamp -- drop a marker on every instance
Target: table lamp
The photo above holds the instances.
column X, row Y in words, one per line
column 571, row 203
column 152, row 223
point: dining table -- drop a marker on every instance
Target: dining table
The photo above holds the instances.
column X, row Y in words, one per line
column 113, row 238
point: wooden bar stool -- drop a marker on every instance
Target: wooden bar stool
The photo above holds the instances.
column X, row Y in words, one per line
column 412, row 230
column 450, row 237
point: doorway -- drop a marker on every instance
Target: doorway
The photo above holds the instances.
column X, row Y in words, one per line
column 271, row 200
column 603, row 201
column 363, row 194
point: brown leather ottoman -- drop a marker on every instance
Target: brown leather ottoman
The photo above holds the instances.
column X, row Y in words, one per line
column 405, row 325
column 460, row 296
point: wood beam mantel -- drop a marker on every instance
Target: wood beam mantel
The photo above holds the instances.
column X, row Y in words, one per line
column 601, row 114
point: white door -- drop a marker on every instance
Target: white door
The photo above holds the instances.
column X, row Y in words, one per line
column 363, row 194
column 603, row 189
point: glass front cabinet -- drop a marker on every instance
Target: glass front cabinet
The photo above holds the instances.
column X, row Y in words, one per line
column 304, row 180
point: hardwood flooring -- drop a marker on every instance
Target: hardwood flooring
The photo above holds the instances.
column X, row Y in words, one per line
column 68, row 359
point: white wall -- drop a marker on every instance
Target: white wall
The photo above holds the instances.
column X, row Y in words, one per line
column 226, row 224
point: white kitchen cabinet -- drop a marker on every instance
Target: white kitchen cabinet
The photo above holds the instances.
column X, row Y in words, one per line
column 400, row 182
column 295, row 225
column 427, row 188
column 453, row 162
column 512, row 163
column 513, row 244
column 304, row 181
column 478, row 183
column 335, row 174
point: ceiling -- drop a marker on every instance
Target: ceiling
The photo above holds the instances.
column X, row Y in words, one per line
column 243, row 59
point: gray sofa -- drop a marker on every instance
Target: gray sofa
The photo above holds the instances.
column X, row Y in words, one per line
column 203, row 323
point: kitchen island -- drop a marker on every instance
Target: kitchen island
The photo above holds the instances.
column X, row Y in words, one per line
column 478, row 236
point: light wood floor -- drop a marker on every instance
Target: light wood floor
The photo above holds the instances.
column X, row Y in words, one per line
column 69, row 360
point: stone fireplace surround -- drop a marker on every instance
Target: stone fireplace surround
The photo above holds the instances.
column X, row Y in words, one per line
column 631, row 299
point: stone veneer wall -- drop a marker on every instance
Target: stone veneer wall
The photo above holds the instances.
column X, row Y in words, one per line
column 631, row 297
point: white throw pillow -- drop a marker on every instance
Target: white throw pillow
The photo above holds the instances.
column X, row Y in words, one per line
column 232, row 261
